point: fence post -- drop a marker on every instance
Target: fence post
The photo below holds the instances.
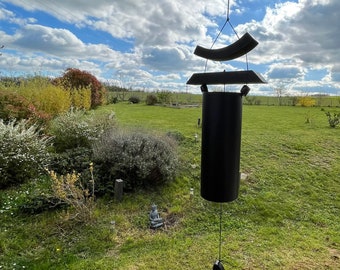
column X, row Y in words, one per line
column 119, row 183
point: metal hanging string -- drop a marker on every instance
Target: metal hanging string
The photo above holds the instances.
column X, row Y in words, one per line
column 228, row 20
column 232, row 27
column 220, row 244
column 219, row 33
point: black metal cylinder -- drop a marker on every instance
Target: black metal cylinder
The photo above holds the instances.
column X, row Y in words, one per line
column 221, row 145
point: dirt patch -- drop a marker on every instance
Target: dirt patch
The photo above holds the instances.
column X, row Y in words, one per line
column 172, row 220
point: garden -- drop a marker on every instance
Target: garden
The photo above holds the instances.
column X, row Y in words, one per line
column 64, row 144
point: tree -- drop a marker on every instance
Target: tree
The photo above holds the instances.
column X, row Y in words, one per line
column 280, row 92
column 76, row 79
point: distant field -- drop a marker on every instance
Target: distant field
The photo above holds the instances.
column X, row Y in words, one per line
column 320, row 101
column 188, row 98
column 287, row 215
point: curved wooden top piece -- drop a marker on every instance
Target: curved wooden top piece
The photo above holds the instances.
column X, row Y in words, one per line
column 240, row 47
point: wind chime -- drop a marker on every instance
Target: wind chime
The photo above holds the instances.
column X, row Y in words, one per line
column 221, row 122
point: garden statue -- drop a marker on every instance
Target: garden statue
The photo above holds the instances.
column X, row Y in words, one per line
column 155, row 220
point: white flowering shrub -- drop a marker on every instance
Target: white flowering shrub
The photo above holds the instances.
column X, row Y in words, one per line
column 71, row 130
column 139, row 158
column 73, row 134
column 77, row 128
column 23, row 152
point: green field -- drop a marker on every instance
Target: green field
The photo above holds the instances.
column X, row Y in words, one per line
column 287, row 215
column 180, row 98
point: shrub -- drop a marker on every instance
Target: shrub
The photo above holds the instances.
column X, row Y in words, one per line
column 134, row 99
column 70, row 190
column 70, row 131
column 75, row 159
column 151, row 99
column 75, row 79
column 24, row 152
column 74, row 132
column 76, row 128
column 46, row 97
column 112, row 99
column 176, row 135
column 164, row 97
column 306, row 101
column 36, row 196
column 81, row 98
column 15, row 106
column 140, row 159
column 333, row 120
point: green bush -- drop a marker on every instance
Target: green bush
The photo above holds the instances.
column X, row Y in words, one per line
column 164, row 97
column 70, row 131
column 37, row 196
column 24, row 152
column 74, row 133
column 140, row 159
column 76, row 129
column 333, row 120
column 176, row 135
column 151, row 99
column 76, row 159
column 112, row 100
column 134, row 99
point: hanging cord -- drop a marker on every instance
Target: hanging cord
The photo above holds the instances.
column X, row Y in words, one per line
column 219, row 33
column 232, row 27
column 220, row 244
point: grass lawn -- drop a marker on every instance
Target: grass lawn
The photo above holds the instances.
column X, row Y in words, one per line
column 287, row 215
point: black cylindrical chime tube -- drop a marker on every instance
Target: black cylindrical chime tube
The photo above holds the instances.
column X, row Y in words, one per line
column 221, row 145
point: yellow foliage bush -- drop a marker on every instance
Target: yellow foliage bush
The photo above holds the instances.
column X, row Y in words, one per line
column 49, row 97
column 306, row 101
column 45, row 96
column 67, row 188
column 81, row 98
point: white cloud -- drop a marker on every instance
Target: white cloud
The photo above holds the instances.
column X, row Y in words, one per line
column 294, row 37
column 5, row 14
column 304, row 34
column 285, row 71
column 335, row 73
column 46, row 39
column 164, row 58
column 9, row 16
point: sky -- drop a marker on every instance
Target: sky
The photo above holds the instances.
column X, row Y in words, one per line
column 149, row 44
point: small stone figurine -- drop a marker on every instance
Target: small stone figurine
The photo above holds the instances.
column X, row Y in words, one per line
column 155, row 220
